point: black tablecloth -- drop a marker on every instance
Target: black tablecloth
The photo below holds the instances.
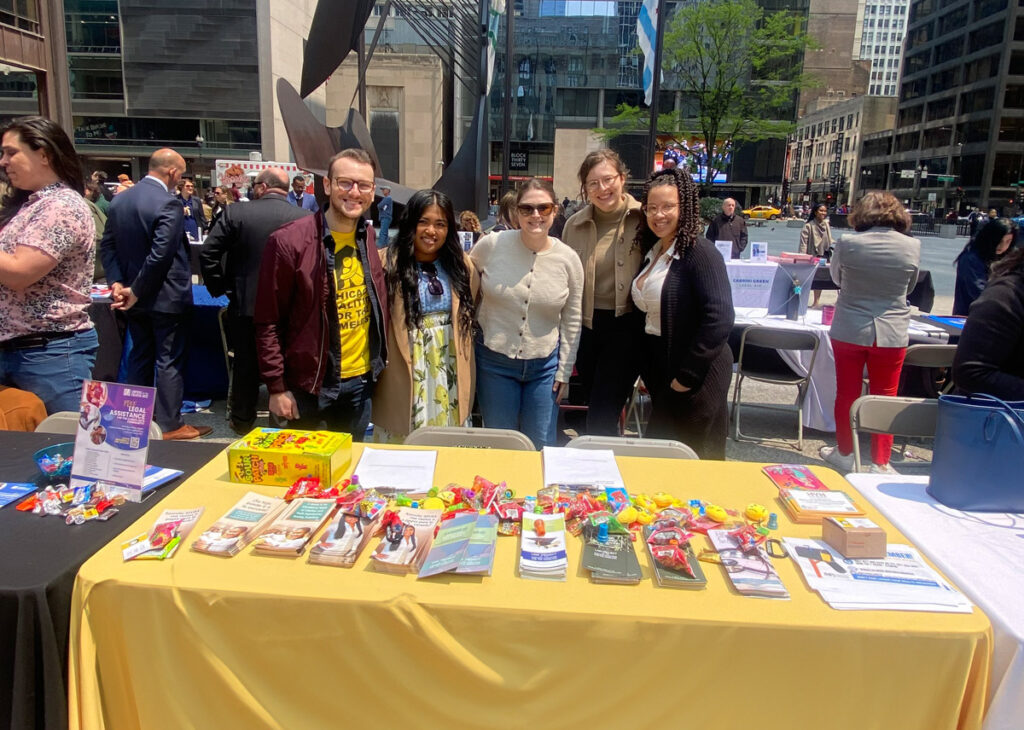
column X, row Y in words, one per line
column 40, row 559
column 922, row 297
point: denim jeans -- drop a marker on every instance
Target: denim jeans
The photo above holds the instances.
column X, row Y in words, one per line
column 346, row 412
column 54, row 372
column 517, row 394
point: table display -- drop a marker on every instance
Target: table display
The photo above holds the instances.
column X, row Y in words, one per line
column 981, row 552
column 41, row 556
column 254, row 641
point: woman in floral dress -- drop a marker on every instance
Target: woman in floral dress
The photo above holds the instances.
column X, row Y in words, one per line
column 432, row 288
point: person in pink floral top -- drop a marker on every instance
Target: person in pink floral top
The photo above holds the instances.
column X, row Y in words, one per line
column 47, row 341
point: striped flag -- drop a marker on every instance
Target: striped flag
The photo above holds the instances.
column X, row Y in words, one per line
column 646, row 22
column 497, row 9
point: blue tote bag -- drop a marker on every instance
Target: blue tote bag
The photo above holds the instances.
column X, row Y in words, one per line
column 978, row 463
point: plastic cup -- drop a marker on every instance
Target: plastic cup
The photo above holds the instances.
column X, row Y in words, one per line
column 828, row 311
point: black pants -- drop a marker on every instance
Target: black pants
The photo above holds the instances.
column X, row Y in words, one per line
column 699, row 417
column 157, row 358
column 347, row 412
column 245, row 374
column 607, row 365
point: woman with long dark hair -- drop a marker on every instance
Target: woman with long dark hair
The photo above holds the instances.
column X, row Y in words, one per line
column 683, row 289
column 47, row 341
column 431, row 289
column 816, row 238
column 994, row 239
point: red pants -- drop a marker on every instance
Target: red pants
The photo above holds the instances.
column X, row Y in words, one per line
column 884, row 365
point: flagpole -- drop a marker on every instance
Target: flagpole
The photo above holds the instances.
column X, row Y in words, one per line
column 655, row 87
column 506, row 127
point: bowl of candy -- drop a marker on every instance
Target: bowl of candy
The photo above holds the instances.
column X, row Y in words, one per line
column 55, row 461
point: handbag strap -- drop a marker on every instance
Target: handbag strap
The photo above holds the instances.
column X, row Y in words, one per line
column 1007, row 411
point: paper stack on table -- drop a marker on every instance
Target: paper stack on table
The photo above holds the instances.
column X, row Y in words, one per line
column 900, row 582
column 397, row 471
column 542, row 547
column 572, row 467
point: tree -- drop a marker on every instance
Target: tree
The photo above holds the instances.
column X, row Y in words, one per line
column 739, row 70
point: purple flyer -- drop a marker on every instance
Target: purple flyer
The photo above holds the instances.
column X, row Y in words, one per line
column 112, row 440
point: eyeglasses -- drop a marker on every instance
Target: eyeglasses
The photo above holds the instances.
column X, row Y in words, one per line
column 528, row 210
column 363, row 186
column 434, row 285
column 604, row 182
column 665, row 209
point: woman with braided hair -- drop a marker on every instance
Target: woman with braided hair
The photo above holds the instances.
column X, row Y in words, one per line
column 684, row 291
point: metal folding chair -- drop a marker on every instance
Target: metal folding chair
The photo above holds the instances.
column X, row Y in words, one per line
column 662, row 448
column 480, row 438
column 894, row 415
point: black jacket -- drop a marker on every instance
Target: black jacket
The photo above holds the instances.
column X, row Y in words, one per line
column 231, row 255
column 724, row 228
column 990, row 355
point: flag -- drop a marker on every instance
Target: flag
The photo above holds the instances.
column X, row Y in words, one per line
column 646, row 22
column 497, row 9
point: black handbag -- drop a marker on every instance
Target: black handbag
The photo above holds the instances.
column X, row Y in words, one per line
column 978, row 461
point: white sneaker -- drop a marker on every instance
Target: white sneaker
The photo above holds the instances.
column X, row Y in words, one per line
column 842, row 462
column 882, row 469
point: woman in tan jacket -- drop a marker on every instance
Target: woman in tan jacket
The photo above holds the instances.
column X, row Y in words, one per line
column 432, row 287
column 602, row 234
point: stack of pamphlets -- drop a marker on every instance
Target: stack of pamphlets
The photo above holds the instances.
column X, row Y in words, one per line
column 406, row 541
column 591, row 467
column 243, row 522
column 542, row 547
column 811, row 506
column 677, row 577
column 344, row 539
column 751, row 573
column 900, row 582
column 449, row 545
column 479, row 556
column 165, row 537
column 793, row 476
column 610, row 558
column 288, row 535
column 13, row 491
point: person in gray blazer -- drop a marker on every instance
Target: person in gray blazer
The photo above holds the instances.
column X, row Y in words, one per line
column 875, row 269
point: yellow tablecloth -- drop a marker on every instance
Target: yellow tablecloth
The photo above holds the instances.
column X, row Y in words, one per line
column 258, row 642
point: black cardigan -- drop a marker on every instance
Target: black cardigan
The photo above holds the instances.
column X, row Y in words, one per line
column 696, row 312
column 990, row 355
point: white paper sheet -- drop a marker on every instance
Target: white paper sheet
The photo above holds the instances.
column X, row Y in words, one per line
column 400, row 471
column 581, row 466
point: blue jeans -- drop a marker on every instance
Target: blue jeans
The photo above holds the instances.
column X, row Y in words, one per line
column 54, row 372
column 517, row 394
column 346, row 409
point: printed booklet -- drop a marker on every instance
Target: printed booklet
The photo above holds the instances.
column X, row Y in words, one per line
column 243, row 522
column 344, row 540
column 611, row 561
column 288, row 535
column 165, row 537
column 406, row 541
column 479, row 556
column 542, row 553
column 450, row 545
column 752, row 574
column 793, row 476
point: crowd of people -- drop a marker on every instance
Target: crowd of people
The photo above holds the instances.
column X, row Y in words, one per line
column 417, row 331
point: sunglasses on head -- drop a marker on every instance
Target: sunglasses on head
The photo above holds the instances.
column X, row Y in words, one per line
column 434, row 285
column 543, row 208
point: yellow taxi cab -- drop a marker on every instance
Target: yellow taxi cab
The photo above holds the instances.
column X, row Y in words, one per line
column 762, row 211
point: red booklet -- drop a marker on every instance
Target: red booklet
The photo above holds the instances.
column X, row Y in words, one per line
column 793, row 476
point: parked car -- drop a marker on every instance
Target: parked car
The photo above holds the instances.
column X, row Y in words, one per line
column 762, row 211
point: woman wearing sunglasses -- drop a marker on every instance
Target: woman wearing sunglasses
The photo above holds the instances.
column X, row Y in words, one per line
column 684, row 290
column 531, row 286
column 602, row 234
column 432, row 287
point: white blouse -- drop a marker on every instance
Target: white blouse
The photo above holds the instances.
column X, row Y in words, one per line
column 647, row 296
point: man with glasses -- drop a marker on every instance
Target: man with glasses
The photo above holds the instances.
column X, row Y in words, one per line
column 230, row 261
column 195, row 218
column 322, row 308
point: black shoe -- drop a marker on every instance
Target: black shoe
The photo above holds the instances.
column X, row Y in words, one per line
column 242, row 429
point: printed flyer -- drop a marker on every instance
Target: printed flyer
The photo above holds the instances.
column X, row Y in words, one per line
column 112, row 440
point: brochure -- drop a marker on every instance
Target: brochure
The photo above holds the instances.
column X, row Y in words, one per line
column 288, row 535
column 752, row 574
column 13, row 491
column 232, row 532
column 406, row 541
column 450, row 545
column 542, row 553
column 675, row 578
column 611, row 561
column 479, row 556
column 112, row 439
column 344, row 539
column 165, row 537
column 793, row 476
column 809, row 507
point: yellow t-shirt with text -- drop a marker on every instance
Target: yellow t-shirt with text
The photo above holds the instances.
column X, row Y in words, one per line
column 353, row 306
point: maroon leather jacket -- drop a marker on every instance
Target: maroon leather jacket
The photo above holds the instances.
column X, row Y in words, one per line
column 296, row 319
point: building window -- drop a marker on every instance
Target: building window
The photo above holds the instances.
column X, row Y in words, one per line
column 21, row 14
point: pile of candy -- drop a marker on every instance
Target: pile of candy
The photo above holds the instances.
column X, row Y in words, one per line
column 76, row 506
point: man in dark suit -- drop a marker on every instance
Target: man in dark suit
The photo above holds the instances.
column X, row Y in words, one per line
column 192, row 207
column 230, row 262
column 146, row 257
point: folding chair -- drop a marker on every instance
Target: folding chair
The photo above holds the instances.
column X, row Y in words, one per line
column 934, row 357
column 481, row 438
column 661, row 448
column 774, row 338
column 66, row 422
column 639, row 408
column 893, row 415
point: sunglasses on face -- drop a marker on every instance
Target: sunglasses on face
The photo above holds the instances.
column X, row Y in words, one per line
column 528, row 210
column 434, row 285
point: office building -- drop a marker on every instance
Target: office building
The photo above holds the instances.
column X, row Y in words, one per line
column 880, row 29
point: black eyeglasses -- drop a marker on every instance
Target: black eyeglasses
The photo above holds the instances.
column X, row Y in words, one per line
column 434, row 285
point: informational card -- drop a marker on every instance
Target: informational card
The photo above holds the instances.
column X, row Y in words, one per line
column 759, row 252
column 466, row 239
column 112, row 439
column 724, row 248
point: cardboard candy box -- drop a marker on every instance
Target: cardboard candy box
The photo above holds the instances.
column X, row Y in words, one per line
column 279, row 457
